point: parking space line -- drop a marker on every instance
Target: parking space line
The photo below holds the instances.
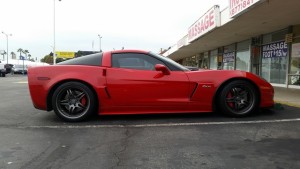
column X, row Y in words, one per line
column 25, row 82
column 162, row 125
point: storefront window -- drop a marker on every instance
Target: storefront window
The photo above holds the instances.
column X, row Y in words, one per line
column 274, row 60
column 274, row 54
column 213, row 60
column 229, row 57
column 243, row 60
column 228, row 61
column 274, row 69
column 243, row 56
column 295, row 65
column 275, row 36
column 203, row 61
column 190, row 61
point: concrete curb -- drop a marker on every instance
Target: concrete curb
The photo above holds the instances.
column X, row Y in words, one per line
column 287, row 103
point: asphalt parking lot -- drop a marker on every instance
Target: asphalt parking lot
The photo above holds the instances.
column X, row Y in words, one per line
column 34, row 139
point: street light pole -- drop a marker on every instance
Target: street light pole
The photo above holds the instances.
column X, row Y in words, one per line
column 7, row 53
column 54, row 55
column 100, row 42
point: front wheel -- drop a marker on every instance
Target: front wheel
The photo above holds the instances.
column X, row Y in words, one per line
column 74, row 101
column 238, row 98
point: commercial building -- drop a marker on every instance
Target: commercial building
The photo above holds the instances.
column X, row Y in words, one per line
column 259, row 36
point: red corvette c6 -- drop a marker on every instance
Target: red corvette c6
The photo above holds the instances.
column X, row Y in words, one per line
column 140, row 82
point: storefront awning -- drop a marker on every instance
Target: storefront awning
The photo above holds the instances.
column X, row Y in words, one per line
column 267, row 17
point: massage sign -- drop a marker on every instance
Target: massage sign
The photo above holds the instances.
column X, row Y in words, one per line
column 277, row 49
column 209, row 21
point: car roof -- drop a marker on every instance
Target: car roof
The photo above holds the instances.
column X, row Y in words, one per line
column 130, row 51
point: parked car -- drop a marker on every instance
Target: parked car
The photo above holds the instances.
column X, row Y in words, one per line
column 141, row 82
column 192, row 68
column 9, row 68
column 19, row 69
column 2, row 69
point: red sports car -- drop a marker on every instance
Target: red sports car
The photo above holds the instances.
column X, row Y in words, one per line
column 141, row 82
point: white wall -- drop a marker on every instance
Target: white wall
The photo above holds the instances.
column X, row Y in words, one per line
column 225, row 18
column 173, row 49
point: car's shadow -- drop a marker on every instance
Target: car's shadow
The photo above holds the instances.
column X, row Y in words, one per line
column 266, row 114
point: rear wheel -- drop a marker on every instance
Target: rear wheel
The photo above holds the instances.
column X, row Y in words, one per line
column 238, row 98
column 74, row 101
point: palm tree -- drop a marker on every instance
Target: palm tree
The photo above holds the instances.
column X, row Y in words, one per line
column 4, row 53
column 13, row 55
column 21, row 51
column 29, row 56
column 26, row 52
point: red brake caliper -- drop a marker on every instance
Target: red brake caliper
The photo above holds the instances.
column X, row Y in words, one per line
column 229, row 95
column 83, row 101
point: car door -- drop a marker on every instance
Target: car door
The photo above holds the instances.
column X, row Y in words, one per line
column 132, row 81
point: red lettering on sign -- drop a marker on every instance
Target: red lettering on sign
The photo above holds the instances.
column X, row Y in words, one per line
column 238, row 6
column 211, row 18
column 203, row 25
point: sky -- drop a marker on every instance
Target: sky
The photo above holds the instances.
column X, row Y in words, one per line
column 133, row 24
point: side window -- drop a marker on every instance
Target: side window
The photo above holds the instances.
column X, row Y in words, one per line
column 134, row 61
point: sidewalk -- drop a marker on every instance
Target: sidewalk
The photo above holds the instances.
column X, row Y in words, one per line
column 290, row 97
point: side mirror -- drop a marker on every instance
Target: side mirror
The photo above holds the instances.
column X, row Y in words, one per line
column 162, row 68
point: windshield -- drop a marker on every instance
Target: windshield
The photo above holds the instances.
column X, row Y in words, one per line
column 170, row 61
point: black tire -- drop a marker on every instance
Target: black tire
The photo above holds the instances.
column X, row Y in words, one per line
column 238, row 98
column 74, row 102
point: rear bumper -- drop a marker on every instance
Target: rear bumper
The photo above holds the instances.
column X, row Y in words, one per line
column 37, row 91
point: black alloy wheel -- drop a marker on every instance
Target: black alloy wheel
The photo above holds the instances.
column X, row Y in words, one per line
column 238, row 98
column 74, row 101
